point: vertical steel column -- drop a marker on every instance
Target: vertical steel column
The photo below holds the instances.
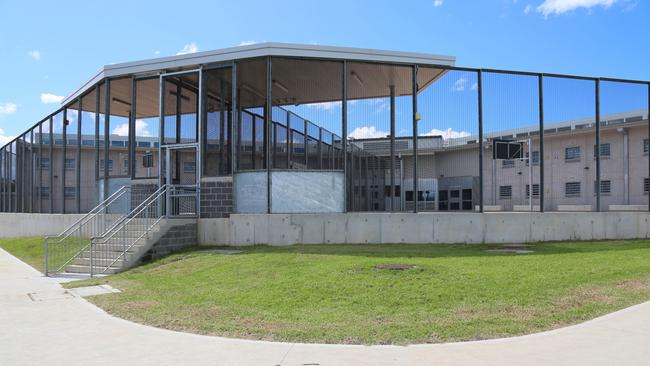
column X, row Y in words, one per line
column 107, row 134
column 222, row 125
column 267, row 130
column 32, row 172
column 51, row 153
column 344, row 133
column 161, row 132
column 64, row 156
column 648, row 117
column 289, row 140
column 39, row 164
column 2, row 180
column 97, row 96
column 414, row 88
column 367, row 170
column 540, row 81
column 179, row 91
column 254, row 138
column 78, row 157
column 235, row 121
column 305, row 141
column 480, row 140
column 132, row 129
column 320, row 148
column 392, row 147
column 597, row 95
column 22, row 173
column 201, row 120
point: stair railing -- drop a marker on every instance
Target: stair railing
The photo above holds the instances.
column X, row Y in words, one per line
column 122, row 236
column 62, row 249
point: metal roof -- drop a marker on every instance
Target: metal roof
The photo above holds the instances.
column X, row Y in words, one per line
column 259, row 50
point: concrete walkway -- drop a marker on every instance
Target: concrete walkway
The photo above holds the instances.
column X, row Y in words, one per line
column 59, row 329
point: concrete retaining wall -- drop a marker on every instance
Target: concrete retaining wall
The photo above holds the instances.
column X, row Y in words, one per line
column 14, row 225
column 375, row 228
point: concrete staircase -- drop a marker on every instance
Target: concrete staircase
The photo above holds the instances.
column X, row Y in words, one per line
column 113, row 256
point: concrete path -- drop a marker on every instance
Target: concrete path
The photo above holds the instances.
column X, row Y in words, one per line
column 60, row 329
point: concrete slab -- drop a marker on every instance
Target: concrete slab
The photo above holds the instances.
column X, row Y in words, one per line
column 93, row 290
column 72, row 331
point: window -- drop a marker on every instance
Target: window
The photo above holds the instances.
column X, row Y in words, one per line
column 189, row 167
column 144, row 144
column 443, row 201
column 646, row 145
column 505, row 192
column 467, row 199
column 646, row 185
column 572, row 189
column 508, row 163
column 535, row 190
column 88, row 142
column 101, row 166
column 70, row 164
column 125, row 166
column 45, row 193
column 115, row 143
column 572, row 153
column 70, row 193
column 605, row 151
column 605, row 187
column 534, row 158
column 45, row 163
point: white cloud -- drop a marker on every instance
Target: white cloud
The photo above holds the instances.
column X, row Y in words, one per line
column 7, row 108
column 366, row 132
column 460, row 84
column 325, row 106
column 156, row 52
column 247, row 43
column 36, row 55
column 528, row 9
column 3, row 138
column 474, row 87
column 188, row 48
column 48, row 98
column 447, row 134
column 141, row 129
column 558, row 7
column 437, row 3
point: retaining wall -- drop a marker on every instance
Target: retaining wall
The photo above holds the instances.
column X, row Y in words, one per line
column 377, row 228
column 14, row 225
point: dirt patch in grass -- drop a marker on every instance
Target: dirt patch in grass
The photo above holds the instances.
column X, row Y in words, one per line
column 395, row 266
column 583, row 297
column 641, row 285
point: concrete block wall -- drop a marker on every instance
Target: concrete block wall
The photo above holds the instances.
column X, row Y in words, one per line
column 176, row 238
column 216, row 198
column 384, row 228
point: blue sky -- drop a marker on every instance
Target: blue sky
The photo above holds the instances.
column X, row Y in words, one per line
column 50, row 48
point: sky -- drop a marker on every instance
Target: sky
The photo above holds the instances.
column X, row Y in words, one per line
column 50, row 48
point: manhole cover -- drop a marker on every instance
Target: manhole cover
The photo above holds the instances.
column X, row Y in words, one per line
column 395, row 266
column 508, row 250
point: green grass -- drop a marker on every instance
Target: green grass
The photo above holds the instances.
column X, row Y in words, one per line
column 29, row 250
column 334, row 293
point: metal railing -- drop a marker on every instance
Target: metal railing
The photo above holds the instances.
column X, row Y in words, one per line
column 62, row 249
column 113, row 246
column 182, row 201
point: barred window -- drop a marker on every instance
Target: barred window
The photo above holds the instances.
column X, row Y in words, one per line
column 534, row 158
column 646, row 185
column 572, row 153
column 572, row 189
column 505, row 192
column 605, row 150
column 45, row 163
column 508, row 163
column 70, row 192
column 646, row 145
column 535, row 190
column 605, row 187
column 101, row 165
column 45, row 193
column 70, row 164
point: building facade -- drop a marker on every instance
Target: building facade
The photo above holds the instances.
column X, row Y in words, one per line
column 277, row 128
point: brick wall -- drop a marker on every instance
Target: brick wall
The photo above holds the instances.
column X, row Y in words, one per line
column 216, row 199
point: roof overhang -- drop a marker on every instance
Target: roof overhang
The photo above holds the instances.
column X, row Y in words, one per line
column 259, row 50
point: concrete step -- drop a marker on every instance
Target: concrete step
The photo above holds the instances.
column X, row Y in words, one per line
column 86, row 269
column 106, row 249
column 99, row 262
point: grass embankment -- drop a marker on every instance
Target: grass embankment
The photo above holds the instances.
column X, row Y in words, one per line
column 335, row 293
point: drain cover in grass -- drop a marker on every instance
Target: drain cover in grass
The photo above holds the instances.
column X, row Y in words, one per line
column 222, row 251
column 395, row 266
column 508, row 250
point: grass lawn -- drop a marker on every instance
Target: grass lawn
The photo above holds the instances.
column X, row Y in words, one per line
column 335, row 293
column 29, row 250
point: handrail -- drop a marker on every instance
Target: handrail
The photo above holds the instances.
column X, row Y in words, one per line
column 93, row 212
column 77, row 227
column 154, row 197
